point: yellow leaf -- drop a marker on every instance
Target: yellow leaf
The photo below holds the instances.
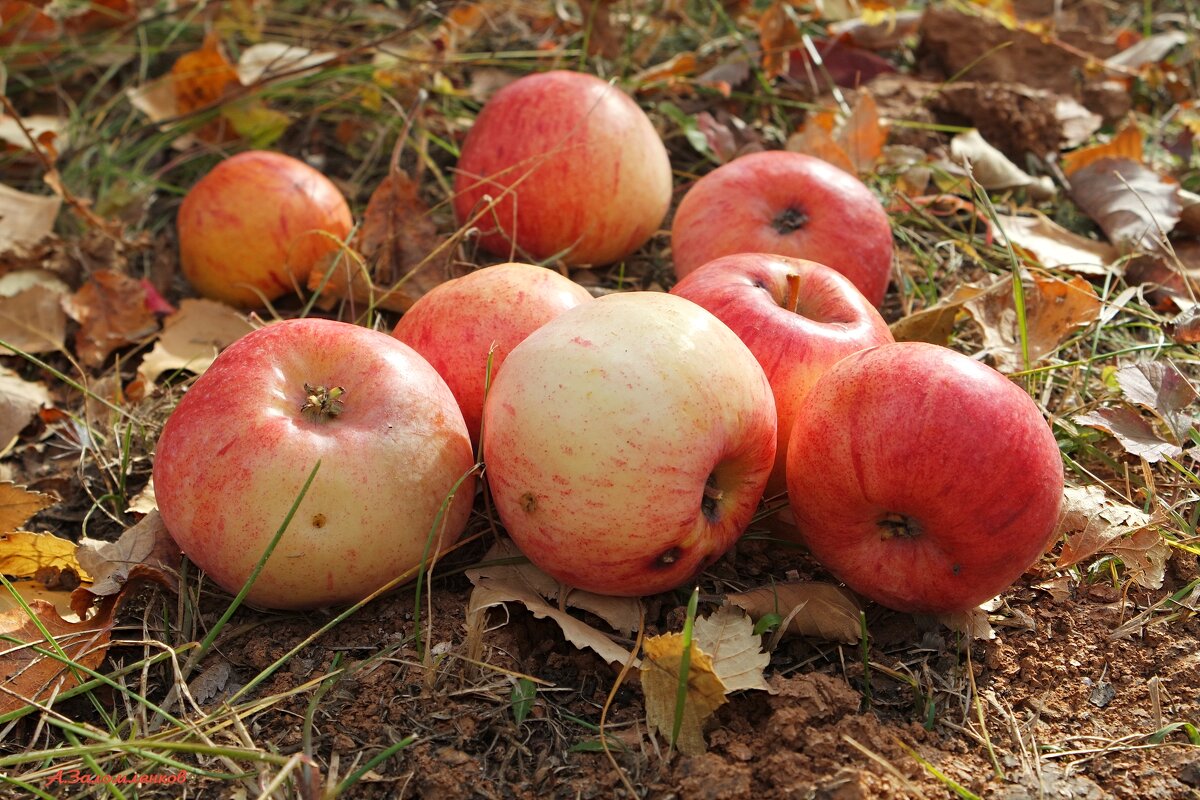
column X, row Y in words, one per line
column 24, row 554
column 17, row 504
column 660, row 683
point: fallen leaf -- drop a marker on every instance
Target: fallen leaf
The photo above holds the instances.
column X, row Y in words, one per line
column 24, row 555
column 266, row 60
column 877, row 34
column 201, row 77
column 1151, row 50
column 1094, row 524
column 20, row 401
column 25, row 218
column 1127, row 144
column 777, row 35
column 1077, row 121
column 397, row 238
column 826, row 611
column 1132, row 431
column 27, row 676
column 1185, row 327
column 842, row 62
column 936, row 323
column 144, row 501
column 501, row 586
column 1160, row 387
column 677, row 66
column 32, row 318
column 31, row 589
column 42, row 127
column 112, row 311
column 210, row 683
column 1053, row 246
column 1134, row 205
column 1054, row 309
column 814, row 140
column 863, row 135
column 192, row 337
column 972, row 623
column 18, row 504
column 993, row 170
column 726, row 655
column 145, row 550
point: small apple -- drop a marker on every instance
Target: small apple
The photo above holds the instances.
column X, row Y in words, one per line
column 627, row 442
column 797, row 317
column 562, row 165
column 789, row 204
column 924, row 479
column 253, row 227
column 457, row 323
column 236, row 451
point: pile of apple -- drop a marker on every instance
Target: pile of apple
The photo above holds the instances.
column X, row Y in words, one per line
column 628, row 440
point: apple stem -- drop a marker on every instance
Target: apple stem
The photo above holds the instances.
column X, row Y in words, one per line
column 713, row 493
column 323, row 402
column 792, row 301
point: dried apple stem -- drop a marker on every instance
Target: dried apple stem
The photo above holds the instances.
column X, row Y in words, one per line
column 792, row 301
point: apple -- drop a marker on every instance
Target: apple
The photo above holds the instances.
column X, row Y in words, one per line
column 237, row 449
column 252, row 228
column 457, row 323
column 789, row 204
column 627, row 442
column 797, row 317
column 562, row 165
column 923, row 479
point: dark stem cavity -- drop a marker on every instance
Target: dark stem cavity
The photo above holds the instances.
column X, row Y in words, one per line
column 893, row 525
column 790, row 220
column 710, row 503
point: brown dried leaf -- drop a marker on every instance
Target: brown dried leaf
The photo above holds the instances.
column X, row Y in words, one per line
column 1126, row 144
column 993, row 170
column 192, row 337
column 1134, row 205
column 25, row 218
column 678, row 66
column 396, row 239
column 201, row 77
column 604, row 36
column 936, row 323
column 1055, row 247
column 1160, row 387
column 18, row 504
column 20, row 401
column 146, row 547
column 863, row 134
column 1077, row 121
column 1185, row 328
column 1054, row 308
column 1150, row 50
column 499, row 584
column 112, row 311
column 815, row 140
column 266, row 60
column 777, row 34
column 1132, row 431
column 27, row 676
column 826, row 611
column 972, row 623
column 1094, row 524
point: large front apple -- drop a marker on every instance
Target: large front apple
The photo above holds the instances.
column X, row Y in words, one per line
column 925, row 480
column 456, row 324
column 797, row 317
column 563, row 165
column 628, row 442
column 789, row 204
column 235, row 453
column 251, row 229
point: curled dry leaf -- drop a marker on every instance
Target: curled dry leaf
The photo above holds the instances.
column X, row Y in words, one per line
column 1094, row 524
column 267, row 60
column 1077, row 121
column 1160, row 387
column 20, row 401
column 27, row 676
column 993, row 170
column 1185, row 328
column 18, row 504
column 853, row 146
column 192, row 337
column 112, row 311
column 1132, row 431
column 726, row 656
column 25, row 218
column 1127, row 144
column 815, row 609
column 1134, row 205
column 936, row 323
column 972, row 623
column 1054, row 309
column 496, row 584
column 1151, row 50
column 1053, row 246
column 397, row 241
column 144, row 550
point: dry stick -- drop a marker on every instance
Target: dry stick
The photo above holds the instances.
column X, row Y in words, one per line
column 983, row 731
column 637, row 646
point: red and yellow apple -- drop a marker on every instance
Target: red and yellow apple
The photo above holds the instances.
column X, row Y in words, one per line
column 236, row 451
column 458, row 323
column 789, row 204
column 562, row 165
column 797, row 317
column 254, row 226
column 923, row 479
column 627, row 442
